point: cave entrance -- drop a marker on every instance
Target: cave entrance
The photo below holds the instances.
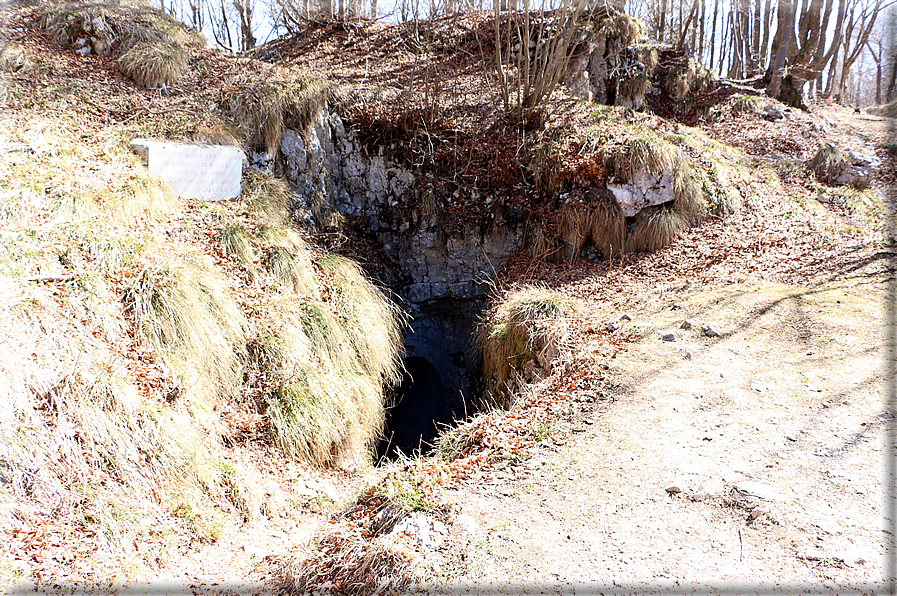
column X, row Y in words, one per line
column 411, row 421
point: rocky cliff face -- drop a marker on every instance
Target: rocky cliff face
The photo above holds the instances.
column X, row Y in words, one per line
column 444, row 277
column 338, row 174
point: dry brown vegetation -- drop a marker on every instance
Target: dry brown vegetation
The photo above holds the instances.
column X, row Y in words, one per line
column 158, row 352
column 196, row 351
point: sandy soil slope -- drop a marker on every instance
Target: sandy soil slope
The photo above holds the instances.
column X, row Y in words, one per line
column 644, row 492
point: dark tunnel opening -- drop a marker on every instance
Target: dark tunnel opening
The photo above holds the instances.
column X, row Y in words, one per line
column 411, row 421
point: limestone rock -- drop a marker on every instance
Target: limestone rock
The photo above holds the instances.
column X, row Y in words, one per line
column 466, row 524
column 861, row 171
column 710, row 330
column 643, row 190
column 750, row 488
column 419, row 527
column 759, row 386
column 774, row 113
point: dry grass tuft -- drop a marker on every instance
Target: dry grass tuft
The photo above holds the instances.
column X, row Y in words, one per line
column 321, row 409
column 544, row 247
column 828, row 163
column 746, row 104
column 80, row 440
column 13, row 57
column 654, row 228
column 723, row 198
column 269, row 198
column 264, row 108
column 151, row 45
column 154, row 65
column 147, row 198
column 685, row 77
column 573, row 221
column 373, row 322
column 185, row 312
column 688, row 190
column 632, row 90
column 236, row 240
column 289, row 261
column 523, row 326
column 608, row 229
column 621, row 26
column 217, row 134
column 328, row 364
column 652, row 154
column 647, row 153
column 349, row 564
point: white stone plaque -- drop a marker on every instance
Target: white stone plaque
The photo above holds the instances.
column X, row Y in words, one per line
column 207, row 172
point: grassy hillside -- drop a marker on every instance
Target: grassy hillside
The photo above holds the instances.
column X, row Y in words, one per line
column 143, row 336
column 171, row 365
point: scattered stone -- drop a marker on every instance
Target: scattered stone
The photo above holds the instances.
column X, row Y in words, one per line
column 687, row 356
column 756, row 512
column 612, row 326
column 418, row 526
column 710, row 330
column 790, row 438
column 624, row 317
column 668, row 336
column 828, row 525
column 774, row 113
column 750, row 488
column 673, row 489
column 466, row 524
column 759, row 386
column 254, row 552
column 318, row 488
column 861, row 170
column 853, row 557
column 686, row 324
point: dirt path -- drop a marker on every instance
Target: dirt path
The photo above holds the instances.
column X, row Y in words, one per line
column 790, row 396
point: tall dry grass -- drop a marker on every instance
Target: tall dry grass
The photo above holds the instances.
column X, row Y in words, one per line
column 328, row 364
column 121, row 344
column 265, row 107
column 522, row 326
column 151, row 48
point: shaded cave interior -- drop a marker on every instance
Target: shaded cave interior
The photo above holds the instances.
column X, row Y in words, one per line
column 440, row 382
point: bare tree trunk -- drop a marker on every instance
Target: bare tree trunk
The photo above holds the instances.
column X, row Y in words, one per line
column 713, row 35
column 691, row 15
column 832, row 74
column 703, row 19
column 767, row 25
column 877, row 59
column 755, row 36
column 725, row 41
column 892, row 81
column 661, row 23
column 244, row 12
column 783, row 34
column 862, row 24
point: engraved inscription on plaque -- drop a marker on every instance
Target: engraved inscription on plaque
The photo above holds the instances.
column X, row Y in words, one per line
column 208, row 172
